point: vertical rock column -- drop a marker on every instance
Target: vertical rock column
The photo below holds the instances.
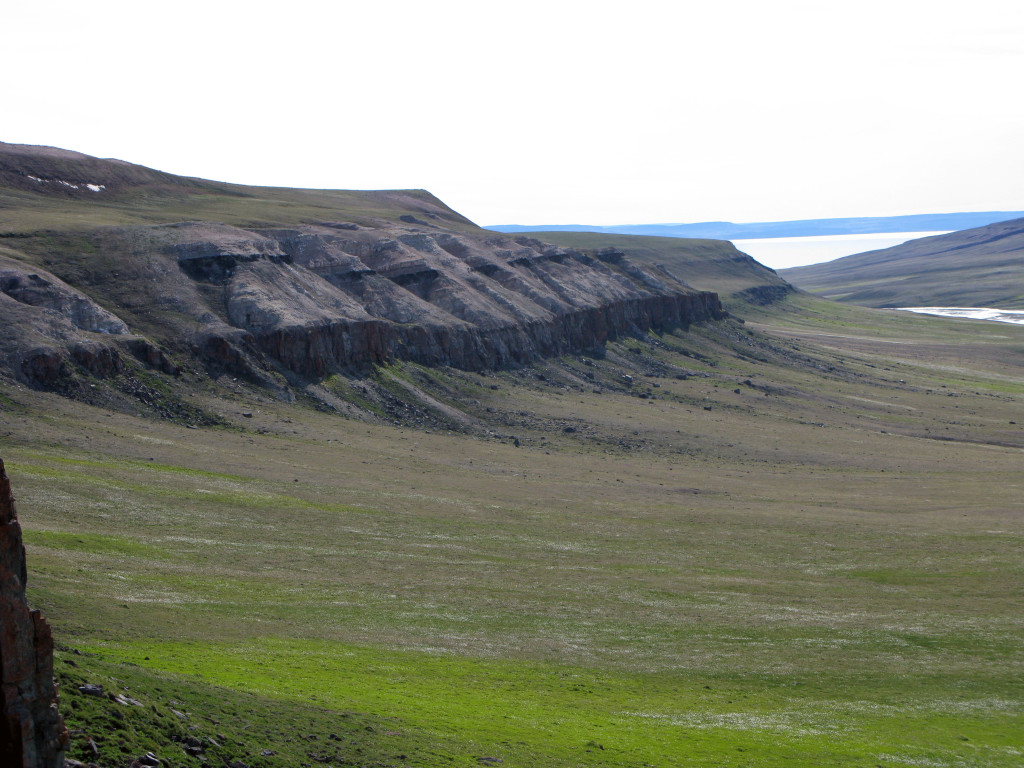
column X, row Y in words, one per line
column 32, row 732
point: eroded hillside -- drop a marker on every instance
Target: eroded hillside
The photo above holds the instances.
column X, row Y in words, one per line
column 105, row 267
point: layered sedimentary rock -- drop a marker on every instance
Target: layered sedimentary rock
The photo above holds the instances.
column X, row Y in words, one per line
column 32, row 732
column 102, row 265
column 321, row 298
column 49, row 323
column 333, row 296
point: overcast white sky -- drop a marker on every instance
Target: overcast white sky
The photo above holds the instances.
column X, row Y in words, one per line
column 544, row 112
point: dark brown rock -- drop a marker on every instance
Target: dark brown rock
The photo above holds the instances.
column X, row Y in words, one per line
column 98, row 359
column 43, row 366
column 32, row 732
column 152, row 356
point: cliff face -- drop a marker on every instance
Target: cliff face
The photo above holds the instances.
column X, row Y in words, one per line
column 97, row 268
column 32, row 732
column 442, row 299
column 322, row 298
column 48, row 323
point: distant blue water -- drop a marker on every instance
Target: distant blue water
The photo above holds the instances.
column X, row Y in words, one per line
column 785, row 252
column 727, row 230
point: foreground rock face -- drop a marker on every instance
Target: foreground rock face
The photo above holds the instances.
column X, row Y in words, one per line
column 32, row 732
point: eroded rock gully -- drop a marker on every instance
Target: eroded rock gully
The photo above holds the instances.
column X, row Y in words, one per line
column 32, row 732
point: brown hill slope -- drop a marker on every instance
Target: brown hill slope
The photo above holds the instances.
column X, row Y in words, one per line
column 980, row 267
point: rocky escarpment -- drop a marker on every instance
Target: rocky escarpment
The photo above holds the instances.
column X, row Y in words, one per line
column 98, row 274
column 320, row 298
column 32, row 732
column 51, row 326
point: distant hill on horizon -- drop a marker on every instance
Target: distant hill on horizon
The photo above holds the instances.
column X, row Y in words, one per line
column 727, row 230
column 978, row 267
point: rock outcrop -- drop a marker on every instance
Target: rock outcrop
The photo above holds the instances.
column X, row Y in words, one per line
column 322, row 298
column 299, row 296
column 32, row 732
column 50, row 324
column 319, row 298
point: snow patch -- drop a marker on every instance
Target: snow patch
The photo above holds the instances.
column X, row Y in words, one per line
column 68, row 184
column 972, row 313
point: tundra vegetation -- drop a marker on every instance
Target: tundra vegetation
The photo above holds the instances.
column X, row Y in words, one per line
column 794, row 540
column 978, row 267
column 791, row 541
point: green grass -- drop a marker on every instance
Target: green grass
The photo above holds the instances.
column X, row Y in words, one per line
column 551, row 714
column 91, row 543
column 179, row 199
column 165, row 714
column 823, row 569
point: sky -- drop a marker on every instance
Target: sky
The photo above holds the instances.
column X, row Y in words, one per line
column 544, row 112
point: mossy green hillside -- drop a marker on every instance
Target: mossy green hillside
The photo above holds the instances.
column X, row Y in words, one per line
column 528, row 713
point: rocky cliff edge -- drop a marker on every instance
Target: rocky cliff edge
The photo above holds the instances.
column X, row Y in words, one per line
column 319, row 298
column 32, row 732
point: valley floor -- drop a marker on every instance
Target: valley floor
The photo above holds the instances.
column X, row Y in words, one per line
column 794, row 541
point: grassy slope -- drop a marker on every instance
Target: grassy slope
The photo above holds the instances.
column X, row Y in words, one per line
column 821, row 568
column 981, row 267
column 135, row 195
column 229, row 204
